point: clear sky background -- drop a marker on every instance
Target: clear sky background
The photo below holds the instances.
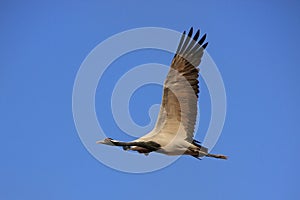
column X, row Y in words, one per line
column 255, row 45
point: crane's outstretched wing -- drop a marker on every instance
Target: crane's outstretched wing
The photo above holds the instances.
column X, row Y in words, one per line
column 180, row 92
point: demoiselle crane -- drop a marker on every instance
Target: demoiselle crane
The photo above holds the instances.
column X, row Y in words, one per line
column 173, row 133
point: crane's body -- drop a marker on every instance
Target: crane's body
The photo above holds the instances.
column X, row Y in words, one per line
column 173, row 133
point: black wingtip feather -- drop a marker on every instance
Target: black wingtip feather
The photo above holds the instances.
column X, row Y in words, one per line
column 205, row 45
column 190, row 32
column 202, row 39
column 196, row 35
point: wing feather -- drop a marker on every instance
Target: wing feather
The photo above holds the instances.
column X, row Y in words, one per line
column 180, row 92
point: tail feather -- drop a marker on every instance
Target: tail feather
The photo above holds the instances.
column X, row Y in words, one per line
column 220, row 156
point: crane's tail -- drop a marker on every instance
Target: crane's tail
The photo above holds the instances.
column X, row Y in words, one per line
column 220, row 156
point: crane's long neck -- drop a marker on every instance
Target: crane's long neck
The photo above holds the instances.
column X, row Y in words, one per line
column 151, row 146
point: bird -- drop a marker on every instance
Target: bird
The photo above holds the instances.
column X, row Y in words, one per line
column 173, row 133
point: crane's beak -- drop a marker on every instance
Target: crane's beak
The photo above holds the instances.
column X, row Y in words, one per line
column 100, row 142
column 107, row 141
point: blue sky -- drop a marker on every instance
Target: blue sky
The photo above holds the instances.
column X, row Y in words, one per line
column 255, row 45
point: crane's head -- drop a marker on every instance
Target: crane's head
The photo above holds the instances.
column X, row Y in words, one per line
column 107, row 141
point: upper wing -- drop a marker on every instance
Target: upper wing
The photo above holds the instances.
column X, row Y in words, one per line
column 180, row 92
